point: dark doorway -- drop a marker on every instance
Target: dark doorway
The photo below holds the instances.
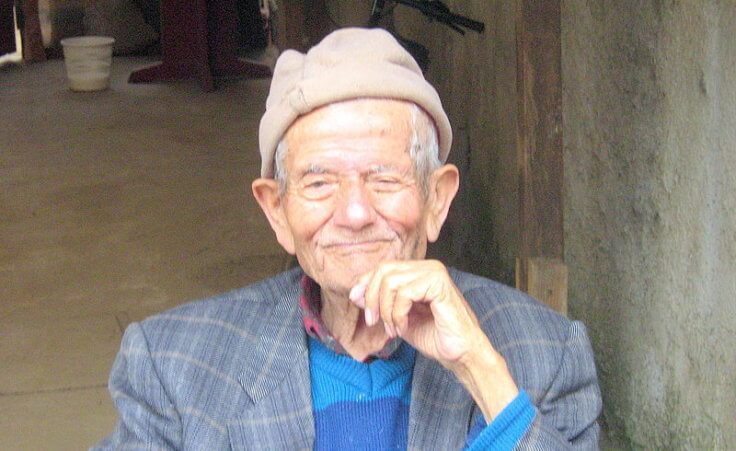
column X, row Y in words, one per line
column 7, row 27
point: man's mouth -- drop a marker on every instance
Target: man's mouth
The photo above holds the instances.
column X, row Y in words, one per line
column 357, row 246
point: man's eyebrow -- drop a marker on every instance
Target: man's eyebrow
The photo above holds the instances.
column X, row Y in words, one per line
column 383, row 168
column 313, row 169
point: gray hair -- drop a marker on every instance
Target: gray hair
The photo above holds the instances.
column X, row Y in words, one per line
column 423, row 149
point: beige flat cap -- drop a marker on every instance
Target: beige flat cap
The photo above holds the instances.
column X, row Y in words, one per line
column 349, row 63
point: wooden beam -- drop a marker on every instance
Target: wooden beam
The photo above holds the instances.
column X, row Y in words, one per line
column 539, row 143
column 546, row 280
column 31, row 38
column 290, row 32
column 301, row 24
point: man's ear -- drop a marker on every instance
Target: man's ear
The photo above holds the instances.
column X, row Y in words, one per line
column 443, row 186
column 266, row 192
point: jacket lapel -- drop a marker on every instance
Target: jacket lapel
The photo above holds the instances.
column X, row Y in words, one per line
column 277, row 382
column 440, row 409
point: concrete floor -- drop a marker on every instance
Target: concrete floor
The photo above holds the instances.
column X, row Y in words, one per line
column 113, row 205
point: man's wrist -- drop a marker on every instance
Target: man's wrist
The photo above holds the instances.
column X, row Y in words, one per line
column 483, row 372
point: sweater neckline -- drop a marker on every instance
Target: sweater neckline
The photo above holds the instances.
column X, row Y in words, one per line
column 370, row 377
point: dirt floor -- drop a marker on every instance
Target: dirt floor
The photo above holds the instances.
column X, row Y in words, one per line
column 113, row 205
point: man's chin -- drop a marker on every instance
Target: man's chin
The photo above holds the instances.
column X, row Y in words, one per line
column 341, row 280
column 340, row 273
column 356, row 262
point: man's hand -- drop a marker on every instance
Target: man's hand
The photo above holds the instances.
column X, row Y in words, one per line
column 419, row 302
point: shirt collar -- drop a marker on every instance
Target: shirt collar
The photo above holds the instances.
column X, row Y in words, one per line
column 310, row 303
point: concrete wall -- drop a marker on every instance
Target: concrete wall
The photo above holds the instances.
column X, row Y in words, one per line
column 649, row 101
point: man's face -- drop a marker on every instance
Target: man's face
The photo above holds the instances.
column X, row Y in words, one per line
column 352, row 199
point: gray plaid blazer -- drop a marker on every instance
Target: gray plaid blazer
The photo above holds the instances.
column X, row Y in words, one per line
column 232, row 372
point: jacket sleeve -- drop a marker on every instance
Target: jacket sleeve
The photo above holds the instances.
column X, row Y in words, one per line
column 568, row 411
column 147, row 417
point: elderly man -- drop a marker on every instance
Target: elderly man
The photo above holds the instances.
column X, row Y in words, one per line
column 367, row 345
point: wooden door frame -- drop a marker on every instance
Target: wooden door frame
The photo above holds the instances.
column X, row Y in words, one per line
column 540, row 268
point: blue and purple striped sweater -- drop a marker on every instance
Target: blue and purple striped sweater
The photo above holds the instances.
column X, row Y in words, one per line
column 366, row 405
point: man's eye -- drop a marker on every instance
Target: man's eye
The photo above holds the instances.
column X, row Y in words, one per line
column 386, row 183
column 317, row 188
column 316, row 184
column 384, row 180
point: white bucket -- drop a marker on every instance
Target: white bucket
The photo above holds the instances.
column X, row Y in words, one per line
column 88, row 60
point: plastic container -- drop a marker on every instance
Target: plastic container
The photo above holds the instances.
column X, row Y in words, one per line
column 88, row 60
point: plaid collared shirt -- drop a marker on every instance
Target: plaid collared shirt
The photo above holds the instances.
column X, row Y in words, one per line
column 310, row 302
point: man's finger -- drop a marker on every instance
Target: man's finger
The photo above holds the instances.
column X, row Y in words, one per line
column 403, row 303
column 372, row 294
column 390, row 284
column 357, row 294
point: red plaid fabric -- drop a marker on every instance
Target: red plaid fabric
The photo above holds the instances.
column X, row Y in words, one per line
column 310, row 302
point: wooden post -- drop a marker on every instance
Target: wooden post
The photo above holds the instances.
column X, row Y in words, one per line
column 302, row 24
column 290, row 32
column 540, row 270
column 31, row 34
column 546, row 280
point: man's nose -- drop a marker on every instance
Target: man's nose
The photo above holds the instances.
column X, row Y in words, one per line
column 354, row 209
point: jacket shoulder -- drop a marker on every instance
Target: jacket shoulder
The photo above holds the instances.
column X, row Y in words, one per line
column 206, row 342
column 505, row 306
column 218, row 330
column 234, row 306
column 533, row 339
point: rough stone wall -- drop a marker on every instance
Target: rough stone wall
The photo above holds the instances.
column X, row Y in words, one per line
column 649, row 102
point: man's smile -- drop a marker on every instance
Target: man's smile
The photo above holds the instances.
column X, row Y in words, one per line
column 356, row 246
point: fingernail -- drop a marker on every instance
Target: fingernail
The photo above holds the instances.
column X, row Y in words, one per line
column 369, row 319
column 389, row 330
column 357, row 295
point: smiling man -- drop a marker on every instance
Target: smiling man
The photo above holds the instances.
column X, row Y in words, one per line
column 367, row 345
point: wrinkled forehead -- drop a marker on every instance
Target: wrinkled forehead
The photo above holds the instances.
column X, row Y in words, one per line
column 356, row 117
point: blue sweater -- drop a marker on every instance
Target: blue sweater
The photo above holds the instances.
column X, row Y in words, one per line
column 366, row 405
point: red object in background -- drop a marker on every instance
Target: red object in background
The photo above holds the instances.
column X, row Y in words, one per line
column 199, row 39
